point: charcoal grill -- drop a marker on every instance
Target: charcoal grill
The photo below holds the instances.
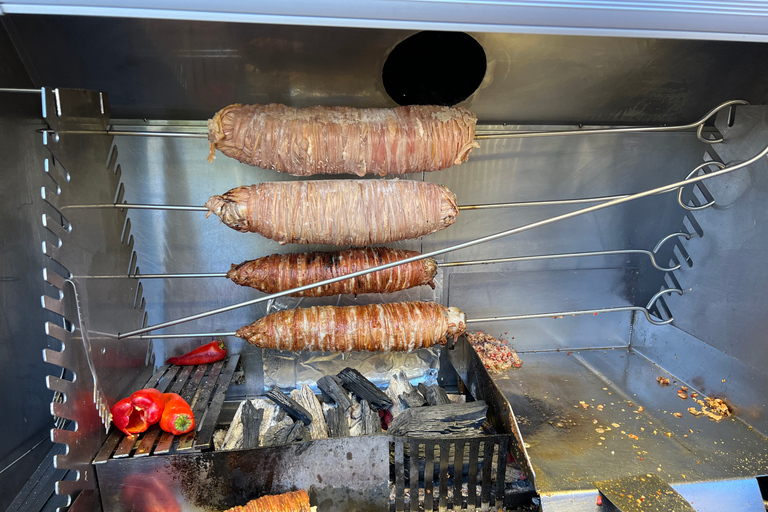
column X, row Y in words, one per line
column 612, row 228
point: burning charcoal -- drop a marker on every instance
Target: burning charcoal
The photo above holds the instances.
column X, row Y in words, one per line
column 338, row 422
column 307, row 399
column 371, row 420
column 331, row 386
column 364, row 389
column 272, row 415
column 437, row 395
column 252, row 419
column 291, row 408
column 299, row 433
column 278, row 434
column 413, row 399
column 355, row 419
column 458, row 399
column 440, row 419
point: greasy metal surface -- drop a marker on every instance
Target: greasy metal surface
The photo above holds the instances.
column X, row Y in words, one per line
column 481, row 386
column 706, row 496
column 643, row 493
column 340, row 475
column 720, row 318
column 571, row 444
column 164, row 69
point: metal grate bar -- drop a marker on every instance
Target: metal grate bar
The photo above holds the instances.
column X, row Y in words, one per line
column 413, row 476
column 147, row 441
column 201, row 402
column 474, row 448
column 188, row 392
column 429, row 473
column 485, row 491
column 458, row 474
column 205, row 433
column 501, row 469
column 445, row 451
column 399, row 476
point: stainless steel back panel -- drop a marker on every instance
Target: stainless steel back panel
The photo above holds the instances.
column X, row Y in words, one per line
column 165, row 69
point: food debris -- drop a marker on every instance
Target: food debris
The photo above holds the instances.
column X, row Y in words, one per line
column 669, row 434
column 632, row 436
column 682, row 394
column 663, row 381
column 694, row 395
column 694, row 411
column 495, row 354
column 584, row 404
column 712, row 408
column 684, row 388
column 600, row 407
column 640, row 409
column 600, row 431
column 615, row 425
column 677, row 414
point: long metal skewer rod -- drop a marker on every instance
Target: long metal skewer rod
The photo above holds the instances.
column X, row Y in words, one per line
column 644, row 310
column 479, row 134
column 658, row 190
column 651, row 254
column 191, row 208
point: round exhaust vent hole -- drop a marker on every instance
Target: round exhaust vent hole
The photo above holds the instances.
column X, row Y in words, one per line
column 434, row 68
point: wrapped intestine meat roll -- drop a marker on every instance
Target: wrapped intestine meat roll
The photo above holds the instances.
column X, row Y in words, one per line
column 280, row 272
column 335, row 140
column 297, row 501
column 337, row 212
column 401, row 326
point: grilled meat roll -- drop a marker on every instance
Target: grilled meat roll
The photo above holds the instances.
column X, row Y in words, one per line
column 337, row 212
column 289, row 502
column 280, row 272
column 402, row 326
column 336, row 140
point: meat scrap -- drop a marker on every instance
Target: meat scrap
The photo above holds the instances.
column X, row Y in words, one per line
column 663, row 381
column 280, row 272
column 401, row 326
column 495, row 354
column 289, row 502
column 337, row 212
column 343, row 140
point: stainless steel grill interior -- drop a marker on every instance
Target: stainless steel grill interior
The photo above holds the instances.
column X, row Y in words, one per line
column 586, row 406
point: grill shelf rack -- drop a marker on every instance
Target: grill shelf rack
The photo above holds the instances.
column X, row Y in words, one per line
column 203, row 386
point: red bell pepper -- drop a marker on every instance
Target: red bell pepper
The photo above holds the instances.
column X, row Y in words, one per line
column 210, row 353
column 136, row 413
column 177, row 416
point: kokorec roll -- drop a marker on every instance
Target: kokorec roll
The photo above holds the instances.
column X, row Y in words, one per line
column 336, row 140
column 402, row 326
column 280, row 272
column 297, row 501
column 337, row 212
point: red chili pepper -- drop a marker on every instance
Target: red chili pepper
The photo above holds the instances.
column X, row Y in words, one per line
column 150, row 404
column 127, row 419
column 136, row 413
column 177, row 415
column 210, row 353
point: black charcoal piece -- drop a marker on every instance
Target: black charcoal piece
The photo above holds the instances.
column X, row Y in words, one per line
column 337, row 420
column 252, row 419
column 371, row 420
column 437, row 395
column 299, row 433
column 440, row 419
column 364, row 389
column 331, row 386
column 289, row 405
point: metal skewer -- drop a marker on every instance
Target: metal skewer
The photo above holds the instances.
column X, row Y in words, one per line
column 558, row 314
column 480, row 134
column 464, row 245
column 651, row 254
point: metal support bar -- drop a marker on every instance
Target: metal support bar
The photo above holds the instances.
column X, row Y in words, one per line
column 464, row 245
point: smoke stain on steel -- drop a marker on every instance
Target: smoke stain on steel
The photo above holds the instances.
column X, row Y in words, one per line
column 349, row 455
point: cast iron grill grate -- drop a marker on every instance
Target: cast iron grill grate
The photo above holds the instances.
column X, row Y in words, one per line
column 448, row 474
column 203, row 386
